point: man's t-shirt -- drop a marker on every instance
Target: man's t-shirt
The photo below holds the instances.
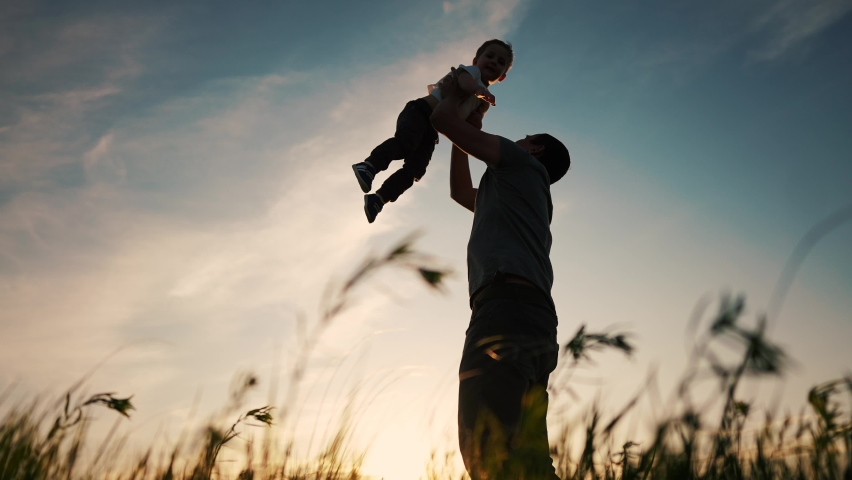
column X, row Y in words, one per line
column 511, row 221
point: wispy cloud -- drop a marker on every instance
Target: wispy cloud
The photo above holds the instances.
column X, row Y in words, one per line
column 496, row 14
column 204, row 222
column 693, row 37
column 789, row 24
column 54, row 82
column 82, row 50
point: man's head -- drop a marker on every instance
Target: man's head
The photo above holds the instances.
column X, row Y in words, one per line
column 494, row 59
column 550, row 152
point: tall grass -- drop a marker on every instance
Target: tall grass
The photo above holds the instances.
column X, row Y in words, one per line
column 45, row 442
column 715, row 437
column 693, row 442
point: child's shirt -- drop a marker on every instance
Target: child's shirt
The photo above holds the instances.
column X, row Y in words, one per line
column 471, row 103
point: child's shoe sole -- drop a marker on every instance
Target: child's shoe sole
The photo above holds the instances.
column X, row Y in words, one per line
column 372, row 206
column 365, row 186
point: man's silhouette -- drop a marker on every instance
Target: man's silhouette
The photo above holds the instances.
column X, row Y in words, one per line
column 510, row 346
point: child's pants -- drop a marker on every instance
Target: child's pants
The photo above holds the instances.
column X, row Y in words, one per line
column 414, row 141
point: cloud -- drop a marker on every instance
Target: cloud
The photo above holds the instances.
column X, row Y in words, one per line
column 55, row 82
column 691, row 38
column 194, row 231
column 79, row 52
column 237, row 216
column 498, row 15
column 105, row 172
column 789, row 24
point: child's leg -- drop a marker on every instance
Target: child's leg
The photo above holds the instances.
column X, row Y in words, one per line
column 411, row 125
column 412, row 170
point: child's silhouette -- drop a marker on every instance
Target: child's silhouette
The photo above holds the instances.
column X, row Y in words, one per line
column 415, row 139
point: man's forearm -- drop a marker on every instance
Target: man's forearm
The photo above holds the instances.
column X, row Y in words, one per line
column 470, row 139
column 461, row 186
column 459, row 171
column 445, row 114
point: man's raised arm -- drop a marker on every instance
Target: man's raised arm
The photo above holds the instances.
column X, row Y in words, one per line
column 471, row 140
column 461, row 186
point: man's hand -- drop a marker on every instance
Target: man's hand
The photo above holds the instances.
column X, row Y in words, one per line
column 459, row 83
column 449, row 85
column 465, row 134
column 470, row 139
column 484, row 94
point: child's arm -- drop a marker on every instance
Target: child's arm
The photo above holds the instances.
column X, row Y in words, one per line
column 471, row 87
column 445, row 119
column 460, row 82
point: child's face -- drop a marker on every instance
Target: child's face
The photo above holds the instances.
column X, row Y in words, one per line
column 493, row 63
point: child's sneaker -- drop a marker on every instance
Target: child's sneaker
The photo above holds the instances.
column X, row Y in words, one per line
column 365, row 173
column 372, row 206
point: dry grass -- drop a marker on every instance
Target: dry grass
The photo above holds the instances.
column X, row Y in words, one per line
column 45, row 442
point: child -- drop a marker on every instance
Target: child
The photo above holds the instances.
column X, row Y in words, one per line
column 415, row 139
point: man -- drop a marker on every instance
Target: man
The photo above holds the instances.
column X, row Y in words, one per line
column 510, row 346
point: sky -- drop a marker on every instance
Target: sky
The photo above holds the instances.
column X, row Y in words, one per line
column 176, row 193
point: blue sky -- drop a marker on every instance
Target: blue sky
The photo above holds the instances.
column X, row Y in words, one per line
column 176, row 178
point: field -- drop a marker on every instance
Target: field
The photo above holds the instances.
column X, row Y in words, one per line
column 49, row 440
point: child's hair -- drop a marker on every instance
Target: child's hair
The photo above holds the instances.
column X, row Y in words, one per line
column 494, row 41
column 555, row 157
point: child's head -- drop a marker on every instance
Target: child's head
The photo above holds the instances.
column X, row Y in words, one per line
column 494, row 59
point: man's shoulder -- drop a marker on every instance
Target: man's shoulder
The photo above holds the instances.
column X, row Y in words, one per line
column 512, row 155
